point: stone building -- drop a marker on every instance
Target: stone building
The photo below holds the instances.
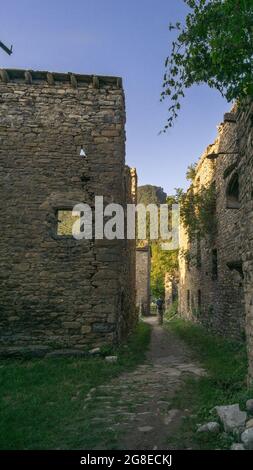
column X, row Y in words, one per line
column 143, row 267
column 62, row 143
column 170, row 290
column 216, row 278
column 241, row 189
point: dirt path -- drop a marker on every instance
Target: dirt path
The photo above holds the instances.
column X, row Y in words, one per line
column 137, row 404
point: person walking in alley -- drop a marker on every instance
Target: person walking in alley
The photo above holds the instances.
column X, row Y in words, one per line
column 159, row 305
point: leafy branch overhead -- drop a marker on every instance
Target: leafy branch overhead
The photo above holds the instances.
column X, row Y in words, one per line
column 215, row 47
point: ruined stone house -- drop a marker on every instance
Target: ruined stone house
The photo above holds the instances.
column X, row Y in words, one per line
column 62, row 143
column 143, row 268
column 170, row 289
column 216, row 279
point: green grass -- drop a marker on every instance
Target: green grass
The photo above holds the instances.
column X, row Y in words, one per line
column 226, row 364
column 37, row 408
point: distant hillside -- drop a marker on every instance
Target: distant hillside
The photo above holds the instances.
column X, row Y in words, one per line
column 149, row 194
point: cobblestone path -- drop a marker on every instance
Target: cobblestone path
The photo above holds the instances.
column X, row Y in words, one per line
column 136, row 405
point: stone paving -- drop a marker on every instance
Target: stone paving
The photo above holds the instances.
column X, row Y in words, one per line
column 137, row 404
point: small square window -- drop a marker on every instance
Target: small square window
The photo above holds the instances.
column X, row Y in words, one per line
column 65, row 221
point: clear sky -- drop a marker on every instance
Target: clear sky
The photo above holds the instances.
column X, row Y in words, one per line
column 128, row 38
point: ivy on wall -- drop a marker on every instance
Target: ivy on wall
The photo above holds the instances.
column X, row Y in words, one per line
column 198, row 211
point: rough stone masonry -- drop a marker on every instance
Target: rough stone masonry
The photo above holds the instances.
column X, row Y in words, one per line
column 57, row 292
column 216, row 286
column 143, row 268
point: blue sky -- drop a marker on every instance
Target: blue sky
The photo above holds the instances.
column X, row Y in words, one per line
column 128, row 38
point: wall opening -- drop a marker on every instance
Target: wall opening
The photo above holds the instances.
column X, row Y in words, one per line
column 82, row 152
column 214, row 264
column 65, row 221
column 188, row 299
column 233, row 192
column 192, row 305
column 198, row 252
column 199, row 299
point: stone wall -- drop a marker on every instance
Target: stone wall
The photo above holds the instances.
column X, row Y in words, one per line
column 129, row 315
column 224, row 303
column 245, row 171
column 210, row 291
column 143, row 266
column 58, row 292
column 171, row 290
